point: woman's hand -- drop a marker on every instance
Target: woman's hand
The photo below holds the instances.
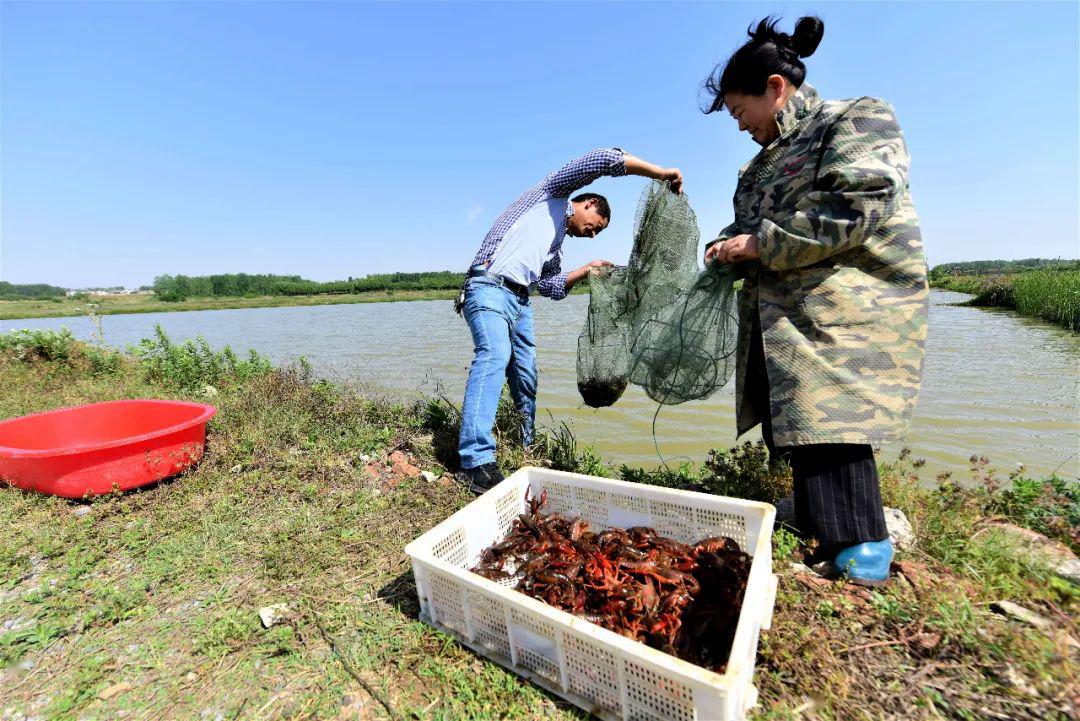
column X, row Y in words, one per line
column 733, row 250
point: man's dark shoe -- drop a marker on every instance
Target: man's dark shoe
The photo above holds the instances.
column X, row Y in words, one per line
column 482, row 478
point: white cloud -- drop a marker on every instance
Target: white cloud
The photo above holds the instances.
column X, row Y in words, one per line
column 474, row 212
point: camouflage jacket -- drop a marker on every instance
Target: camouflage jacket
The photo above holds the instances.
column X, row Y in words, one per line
column 841, row 283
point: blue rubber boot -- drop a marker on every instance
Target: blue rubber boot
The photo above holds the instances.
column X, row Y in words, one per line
column 866, row 564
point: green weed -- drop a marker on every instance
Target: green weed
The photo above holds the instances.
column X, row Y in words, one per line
column 684, row 476
column 45, row 345
column 560, row 448
column 35, row 636
column 226, row 631
column 892, row 609
column 784, row 544
column 85, row 683
column 746, row 471
column 1050, row 506
column 60, row 351
column 948, row 524
column 114, row 605
column 193, row 364
column 995, row 293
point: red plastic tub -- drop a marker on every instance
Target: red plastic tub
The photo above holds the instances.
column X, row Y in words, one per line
column 102, row 447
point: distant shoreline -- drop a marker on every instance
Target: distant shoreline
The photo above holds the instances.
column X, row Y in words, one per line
column 128, row 304
column 119, row 305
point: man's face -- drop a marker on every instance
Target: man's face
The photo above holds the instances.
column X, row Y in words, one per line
column 585, row 222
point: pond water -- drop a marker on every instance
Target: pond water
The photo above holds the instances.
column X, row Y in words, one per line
column 995, row 383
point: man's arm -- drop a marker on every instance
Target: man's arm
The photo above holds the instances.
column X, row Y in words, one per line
column 555, row 284
column 576, row 276
column 552, row 283
column 606, row 161
column 636, row 166
column 579, row 172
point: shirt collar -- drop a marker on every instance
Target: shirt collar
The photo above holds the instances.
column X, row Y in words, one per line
column 800, row 105
column 569, row 211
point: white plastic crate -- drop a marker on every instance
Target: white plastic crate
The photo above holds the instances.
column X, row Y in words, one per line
column 593, row 668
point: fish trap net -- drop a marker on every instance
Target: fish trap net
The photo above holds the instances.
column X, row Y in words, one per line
column 658, row 322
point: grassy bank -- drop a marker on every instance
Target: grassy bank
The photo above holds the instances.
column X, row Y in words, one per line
column 145, row 605
column 1052, row 294
column 147, row 303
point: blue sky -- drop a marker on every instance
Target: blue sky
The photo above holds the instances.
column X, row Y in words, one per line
column 343, row 139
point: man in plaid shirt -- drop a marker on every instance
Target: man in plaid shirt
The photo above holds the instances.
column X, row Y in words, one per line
column 523, row 248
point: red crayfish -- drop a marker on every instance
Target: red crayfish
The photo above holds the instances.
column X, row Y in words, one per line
column 680, row 598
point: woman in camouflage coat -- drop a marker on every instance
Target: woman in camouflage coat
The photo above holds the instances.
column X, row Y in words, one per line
column 832, row 314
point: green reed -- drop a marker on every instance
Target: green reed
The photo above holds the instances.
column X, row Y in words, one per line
column 1052, row 295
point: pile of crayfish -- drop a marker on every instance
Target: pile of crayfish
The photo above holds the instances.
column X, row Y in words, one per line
column 679, row 598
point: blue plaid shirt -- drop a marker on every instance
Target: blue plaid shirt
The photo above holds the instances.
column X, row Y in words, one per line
column 561, row 184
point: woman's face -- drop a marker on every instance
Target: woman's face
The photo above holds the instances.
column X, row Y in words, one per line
column 756, row 114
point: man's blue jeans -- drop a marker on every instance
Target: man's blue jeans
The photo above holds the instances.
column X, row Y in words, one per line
column 504, row 347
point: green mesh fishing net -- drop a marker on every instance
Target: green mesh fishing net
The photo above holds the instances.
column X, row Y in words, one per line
column 658, row 322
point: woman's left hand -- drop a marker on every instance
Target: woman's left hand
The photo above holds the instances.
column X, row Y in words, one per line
column 733, row 250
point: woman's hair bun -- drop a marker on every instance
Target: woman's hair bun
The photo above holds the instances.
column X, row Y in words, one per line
column 768, row 52
column 807, row 35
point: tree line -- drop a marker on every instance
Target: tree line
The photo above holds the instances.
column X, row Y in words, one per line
column 11, row 291
column 179, row 287
column 432, row 280
column 999, row 267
